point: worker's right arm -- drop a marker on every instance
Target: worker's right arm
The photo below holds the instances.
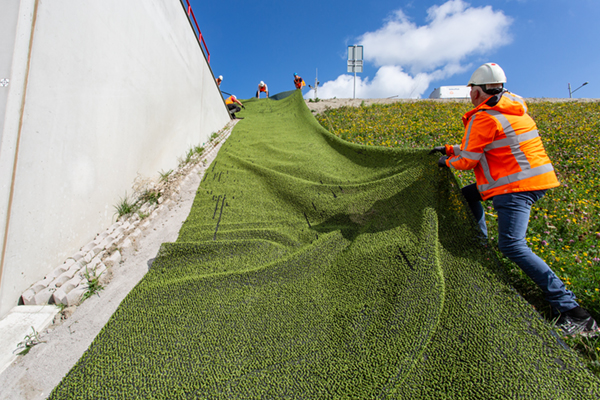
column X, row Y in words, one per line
column 479, row 132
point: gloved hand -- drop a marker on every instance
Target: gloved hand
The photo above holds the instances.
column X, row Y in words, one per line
column 442, row 161
column 243, row 106
column 441, row 149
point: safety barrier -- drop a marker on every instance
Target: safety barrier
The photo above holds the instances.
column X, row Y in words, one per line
column 191, row 15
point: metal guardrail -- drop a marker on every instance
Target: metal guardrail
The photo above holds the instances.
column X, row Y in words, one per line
column 190, row 13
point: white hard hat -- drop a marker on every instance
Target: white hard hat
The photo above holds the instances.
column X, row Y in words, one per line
column 262, row 83
column 221, row 77
column 488, row 73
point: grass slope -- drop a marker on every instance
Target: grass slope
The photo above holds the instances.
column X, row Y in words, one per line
column 314, row 268
column 564, row 228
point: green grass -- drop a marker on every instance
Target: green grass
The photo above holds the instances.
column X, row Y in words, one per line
column 187, row 158
column 165, row 175
column 124, row 206
column 198, row 150
column 310, row 267
column 28, row 342
column 150, row 196
column 93, row 285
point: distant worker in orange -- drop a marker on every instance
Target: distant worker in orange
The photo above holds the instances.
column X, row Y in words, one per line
column 232, row 104
column 503, row 145
column 298, row 81
column 219, row 80
column 262, row 87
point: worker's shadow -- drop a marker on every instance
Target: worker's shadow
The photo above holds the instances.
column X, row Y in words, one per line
column 437, row 191
column 383, row 215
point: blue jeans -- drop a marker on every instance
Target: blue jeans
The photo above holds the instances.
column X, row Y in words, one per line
column 513, row 217
column 473, row 197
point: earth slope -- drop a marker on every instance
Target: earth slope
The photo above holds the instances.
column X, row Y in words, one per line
column 314, row 268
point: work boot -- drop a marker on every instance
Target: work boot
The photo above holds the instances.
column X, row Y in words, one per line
column 577, row 321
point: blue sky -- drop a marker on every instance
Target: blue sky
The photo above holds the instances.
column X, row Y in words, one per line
column 410, row 47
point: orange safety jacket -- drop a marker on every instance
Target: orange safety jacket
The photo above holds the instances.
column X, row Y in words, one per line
column 299, row 82
column 502, row 144
column 229, row 100
column 262, row 88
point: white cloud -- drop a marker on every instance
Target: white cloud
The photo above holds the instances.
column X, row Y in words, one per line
column 410, row 57
column 455, row 31
column 389, row 81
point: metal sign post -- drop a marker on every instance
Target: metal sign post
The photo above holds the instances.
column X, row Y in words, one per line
column 355, row 62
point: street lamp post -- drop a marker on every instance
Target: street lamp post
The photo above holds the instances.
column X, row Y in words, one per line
column 316, row 83
column 571, row 92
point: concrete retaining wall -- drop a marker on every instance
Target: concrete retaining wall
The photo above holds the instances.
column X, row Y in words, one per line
column 100, row 92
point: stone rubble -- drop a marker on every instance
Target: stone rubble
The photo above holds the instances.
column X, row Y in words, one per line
column 68, row 283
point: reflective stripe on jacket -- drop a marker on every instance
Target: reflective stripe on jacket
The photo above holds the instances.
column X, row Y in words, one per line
column 503, row 146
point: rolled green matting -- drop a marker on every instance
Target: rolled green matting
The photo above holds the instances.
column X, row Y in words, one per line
column 311, row 268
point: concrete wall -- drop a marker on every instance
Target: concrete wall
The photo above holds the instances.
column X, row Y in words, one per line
column 8, row 30
column 100, row 91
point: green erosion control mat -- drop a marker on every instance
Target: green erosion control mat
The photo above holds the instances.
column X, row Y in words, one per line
column 314, row 268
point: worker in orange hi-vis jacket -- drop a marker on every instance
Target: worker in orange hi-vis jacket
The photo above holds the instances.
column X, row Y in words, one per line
column 232, row 104
column 219, row 80
column 262, row 87
column 502, row 145
column 298, row 81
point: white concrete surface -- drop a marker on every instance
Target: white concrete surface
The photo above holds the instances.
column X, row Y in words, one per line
column 20, row 322
column 14, row 98
column 100, row 92
column 8, row 31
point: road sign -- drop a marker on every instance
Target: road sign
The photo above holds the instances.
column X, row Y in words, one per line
column 355, row 62
column 355, row 58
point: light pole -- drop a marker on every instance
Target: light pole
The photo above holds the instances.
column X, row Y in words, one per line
column 571, row 92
